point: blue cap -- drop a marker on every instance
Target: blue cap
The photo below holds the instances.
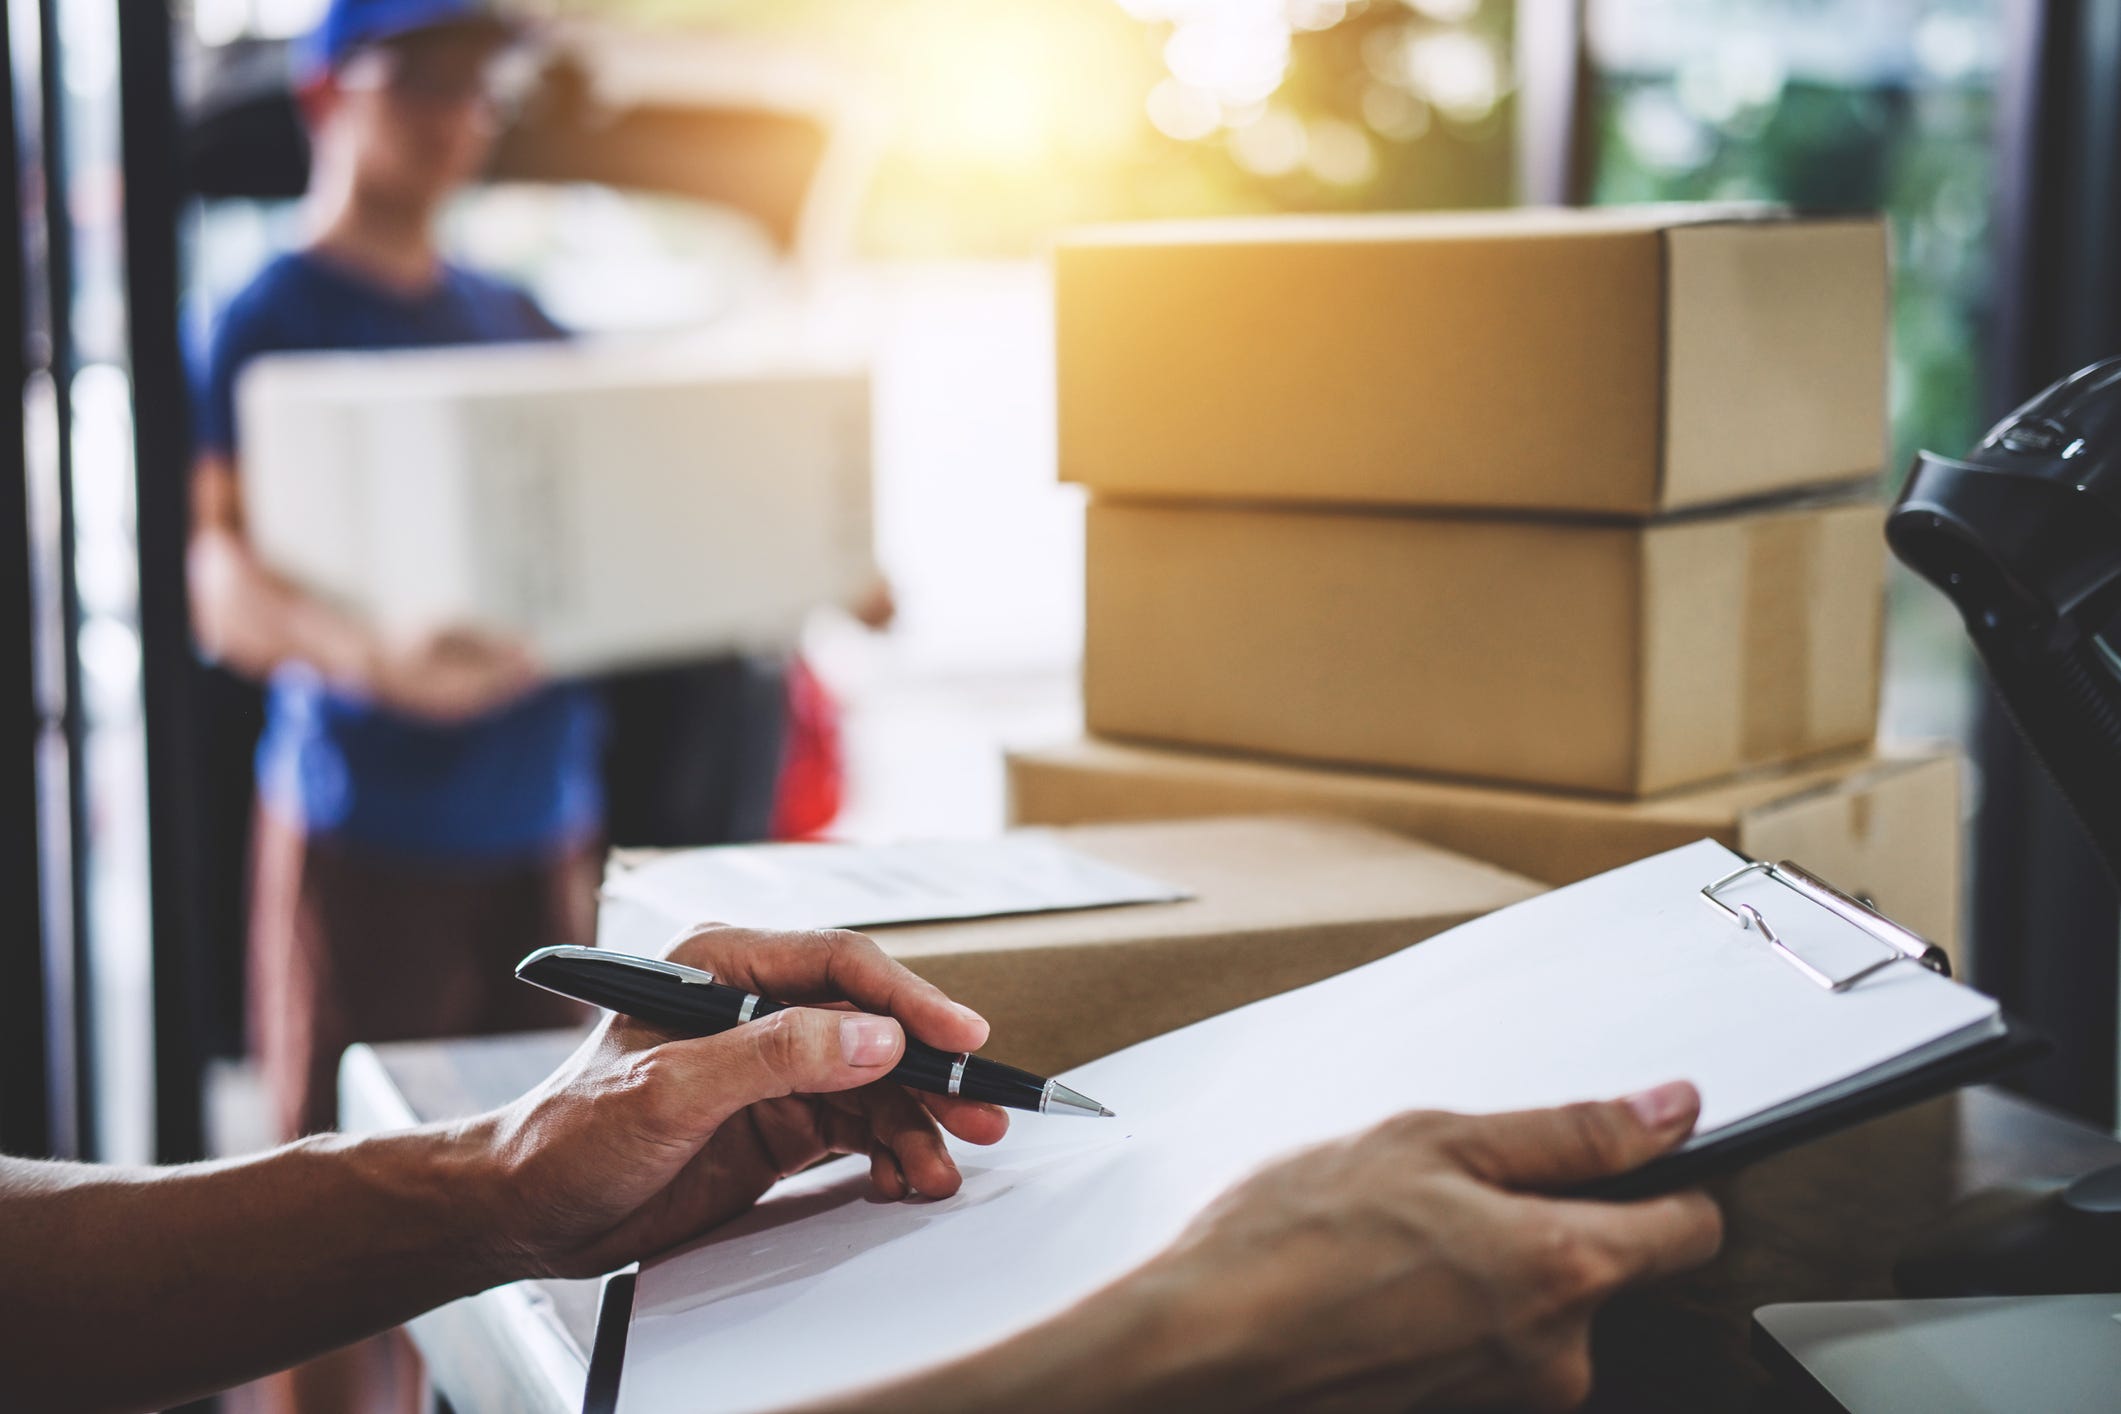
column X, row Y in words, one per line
column 351, row 25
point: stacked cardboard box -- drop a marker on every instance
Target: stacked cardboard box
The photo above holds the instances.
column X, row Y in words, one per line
column 1573, row 502
column 1271, row 904
column 1882, row 826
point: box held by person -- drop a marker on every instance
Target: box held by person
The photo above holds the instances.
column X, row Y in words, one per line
column 609, row 506
column 1628, row 360
column 1882, row 825
column 1272, row 903
column 1623, row 657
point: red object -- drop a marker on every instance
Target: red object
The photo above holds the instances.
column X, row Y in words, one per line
column 813, row 781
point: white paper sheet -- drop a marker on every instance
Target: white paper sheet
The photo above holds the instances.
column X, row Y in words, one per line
column 1599, row 989
column 862, row 886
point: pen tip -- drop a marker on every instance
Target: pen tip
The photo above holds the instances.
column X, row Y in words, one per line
column 1060, row 1100
column 1103, row 1113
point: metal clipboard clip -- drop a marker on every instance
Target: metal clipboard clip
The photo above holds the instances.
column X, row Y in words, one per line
column 1901, row 944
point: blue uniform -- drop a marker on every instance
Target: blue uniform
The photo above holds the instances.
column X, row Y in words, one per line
column 523, row 781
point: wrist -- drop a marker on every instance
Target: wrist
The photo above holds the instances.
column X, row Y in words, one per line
column 351, row 654
column 343, row 649
column 1150, row 1342
column 487, row 1210
column 439, row 1193
column 1168, row 1339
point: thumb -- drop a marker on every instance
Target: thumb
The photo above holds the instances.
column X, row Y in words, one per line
column 1570, row 1144
column 799, row 1051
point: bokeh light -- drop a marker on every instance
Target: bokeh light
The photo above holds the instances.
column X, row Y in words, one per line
column 1273, row 145
column 1339, row 153
column 988, row 124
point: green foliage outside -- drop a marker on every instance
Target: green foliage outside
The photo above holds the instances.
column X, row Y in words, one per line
column 1922, row 157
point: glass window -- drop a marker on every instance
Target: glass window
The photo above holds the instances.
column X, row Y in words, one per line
column 1837, row 104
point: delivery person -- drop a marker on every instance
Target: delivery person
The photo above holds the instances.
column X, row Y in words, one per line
column 1413, row 1267
column 427, row 806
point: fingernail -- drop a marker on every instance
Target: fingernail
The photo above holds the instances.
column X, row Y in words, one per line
column 968, row 1013
column 868, row 1040
column 1664, row 1106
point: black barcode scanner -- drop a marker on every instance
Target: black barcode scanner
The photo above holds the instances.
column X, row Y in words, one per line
column 2023, row 535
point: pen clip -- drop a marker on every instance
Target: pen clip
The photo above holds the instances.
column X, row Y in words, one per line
column 677, row 971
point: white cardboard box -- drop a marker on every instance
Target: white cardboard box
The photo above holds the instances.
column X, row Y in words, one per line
column 610, row 506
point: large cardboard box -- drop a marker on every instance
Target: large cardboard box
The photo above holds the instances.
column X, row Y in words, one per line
column 1620, row 657
column 1277, row 903
column 610, row 506
column 1885, row 827
column 1631, row 359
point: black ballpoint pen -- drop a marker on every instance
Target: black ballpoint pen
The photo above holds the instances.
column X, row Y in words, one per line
column 690, row 1002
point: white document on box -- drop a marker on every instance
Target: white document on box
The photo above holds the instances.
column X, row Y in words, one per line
column 1595, row 990
column 860, row 886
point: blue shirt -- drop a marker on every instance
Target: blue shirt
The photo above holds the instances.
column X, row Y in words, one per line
column 521, row 782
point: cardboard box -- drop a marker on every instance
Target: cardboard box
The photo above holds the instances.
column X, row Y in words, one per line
column 1277, row 903
column 610, row 506
column 1624, row 657
column 1885, row 827
column 1626, row 360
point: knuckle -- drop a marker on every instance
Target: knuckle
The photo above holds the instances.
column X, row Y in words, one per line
column 848, row 950
column 1706, row 1223
column 1569, row 1268
column 696, row 942
column 847, row 940
column 1596, row 1137
column 782, row 1042
column 1413, row 1127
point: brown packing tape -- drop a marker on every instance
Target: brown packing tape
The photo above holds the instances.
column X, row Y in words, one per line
column 1663, row 430
column 1781, row 558
column 1860, row 812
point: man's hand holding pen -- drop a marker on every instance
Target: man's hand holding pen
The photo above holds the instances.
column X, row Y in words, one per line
column 642, row 1140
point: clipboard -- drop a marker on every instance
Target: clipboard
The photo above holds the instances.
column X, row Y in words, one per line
column 607, row 1353
column 1717, row 1158
column 1668, row 1175
column 1770, row 921
column 1898, row 944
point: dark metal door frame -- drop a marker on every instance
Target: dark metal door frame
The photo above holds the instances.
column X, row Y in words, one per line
column 26, row 1103
column 65, row 845
column 2045, row 913
column 154, row 187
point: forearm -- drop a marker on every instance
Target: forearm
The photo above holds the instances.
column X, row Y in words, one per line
column 1146, row 1344
column 252, row 621
column 210, row 1274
